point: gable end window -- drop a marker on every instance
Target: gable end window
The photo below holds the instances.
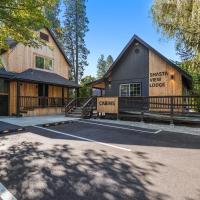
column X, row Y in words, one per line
column 43, row 63
column 44, row 36
column 131, row 90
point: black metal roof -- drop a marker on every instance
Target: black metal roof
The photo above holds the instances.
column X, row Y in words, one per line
column 38, row 76
column 6, row 74
column 138, row 39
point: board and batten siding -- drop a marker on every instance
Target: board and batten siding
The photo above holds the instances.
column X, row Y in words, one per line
column 166, row 86
column 21, row 57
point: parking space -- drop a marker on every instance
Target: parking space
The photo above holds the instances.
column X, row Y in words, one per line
column 89, row 160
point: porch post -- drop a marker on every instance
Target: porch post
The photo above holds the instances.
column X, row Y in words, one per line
column 18, row 99
column 43, row 95
column 101, row 92
column 63, row 96
column 77, row 93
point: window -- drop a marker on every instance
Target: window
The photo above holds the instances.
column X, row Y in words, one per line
column 130, row 89
column 124, row 90
column 44, row 36
column 135, row 89
column 43, row 63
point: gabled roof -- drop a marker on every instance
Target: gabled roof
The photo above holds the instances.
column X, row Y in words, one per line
column 13, row 44
column 138, row 39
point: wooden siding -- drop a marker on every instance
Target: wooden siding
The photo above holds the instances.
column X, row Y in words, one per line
column 22, row 57
column 165, row 85
column 55, row 91
column 44, row 111
column 28, row 89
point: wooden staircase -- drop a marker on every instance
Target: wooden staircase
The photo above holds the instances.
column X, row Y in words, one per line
column 81, row 107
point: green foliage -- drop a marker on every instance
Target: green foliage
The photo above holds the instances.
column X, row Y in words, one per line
column 20, row 18
column 75, row 28
column 103, row 65
column 180, row 20
column 85, row 91
column 195, row 73
column 52, row 15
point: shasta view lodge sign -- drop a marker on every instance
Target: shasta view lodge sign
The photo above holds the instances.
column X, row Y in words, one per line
column 156, row 79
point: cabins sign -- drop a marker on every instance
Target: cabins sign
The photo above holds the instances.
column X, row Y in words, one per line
column 157, row 79
column 107, row 104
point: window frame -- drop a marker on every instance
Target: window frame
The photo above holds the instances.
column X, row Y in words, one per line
column 45, row 60
column 129, row 86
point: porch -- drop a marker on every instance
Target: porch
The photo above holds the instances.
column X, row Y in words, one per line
column 35, row 99
column 35, row 92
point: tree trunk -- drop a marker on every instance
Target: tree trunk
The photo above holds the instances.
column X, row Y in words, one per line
column 77, row 68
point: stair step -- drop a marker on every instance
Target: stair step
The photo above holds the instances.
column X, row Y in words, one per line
column 74, row 115
column 24, row 111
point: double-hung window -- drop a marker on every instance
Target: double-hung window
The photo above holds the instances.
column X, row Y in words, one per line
column 43, row 63
column 130, row 90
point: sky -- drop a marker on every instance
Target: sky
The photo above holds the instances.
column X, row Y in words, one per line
column 112, row 24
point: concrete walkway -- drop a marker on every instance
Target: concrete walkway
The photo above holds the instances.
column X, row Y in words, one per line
column 169, row 128
column 32, row 121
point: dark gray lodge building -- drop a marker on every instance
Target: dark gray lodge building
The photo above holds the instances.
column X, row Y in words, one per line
column 140, row 70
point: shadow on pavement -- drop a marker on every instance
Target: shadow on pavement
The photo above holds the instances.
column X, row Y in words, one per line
column 58, row 173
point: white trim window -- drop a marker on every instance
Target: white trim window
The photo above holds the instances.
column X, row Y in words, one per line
column 130, row 90
column 43, row 63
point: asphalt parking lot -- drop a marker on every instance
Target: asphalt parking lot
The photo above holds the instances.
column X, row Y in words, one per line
column 88, row 160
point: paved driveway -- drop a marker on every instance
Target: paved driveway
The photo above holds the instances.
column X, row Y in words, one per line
column 88, row 160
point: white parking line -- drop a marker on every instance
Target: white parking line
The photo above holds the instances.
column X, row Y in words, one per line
column 124, row 128
column 158, row 131
column 83, row 138
column 5, row 194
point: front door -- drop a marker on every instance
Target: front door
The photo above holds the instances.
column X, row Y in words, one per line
column 4, row 97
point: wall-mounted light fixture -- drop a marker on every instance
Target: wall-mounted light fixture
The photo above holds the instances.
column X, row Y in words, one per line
column 172, row 76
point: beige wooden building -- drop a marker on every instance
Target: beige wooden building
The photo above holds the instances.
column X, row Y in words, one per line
column 34, row 81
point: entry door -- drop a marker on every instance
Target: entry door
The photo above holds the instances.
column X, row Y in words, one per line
column 4, row 97
column 43, row 93
column 3, row 105
column 40, row 90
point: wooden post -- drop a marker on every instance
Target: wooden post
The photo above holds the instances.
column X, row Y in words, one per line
column 43, row 95
column 77, row 93
column 101, row 92
column 63, row 96
column 171, row 111
column 18, row 99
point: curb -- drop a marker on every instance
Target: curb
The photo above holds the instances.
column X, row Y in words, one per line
column 57, row 123
column 12, row 130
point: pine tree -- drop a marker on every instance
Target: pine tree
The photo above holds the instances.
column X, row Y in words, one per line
column 103, row 65
column 75, row 28
column 52, row 15
column 109, row 61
